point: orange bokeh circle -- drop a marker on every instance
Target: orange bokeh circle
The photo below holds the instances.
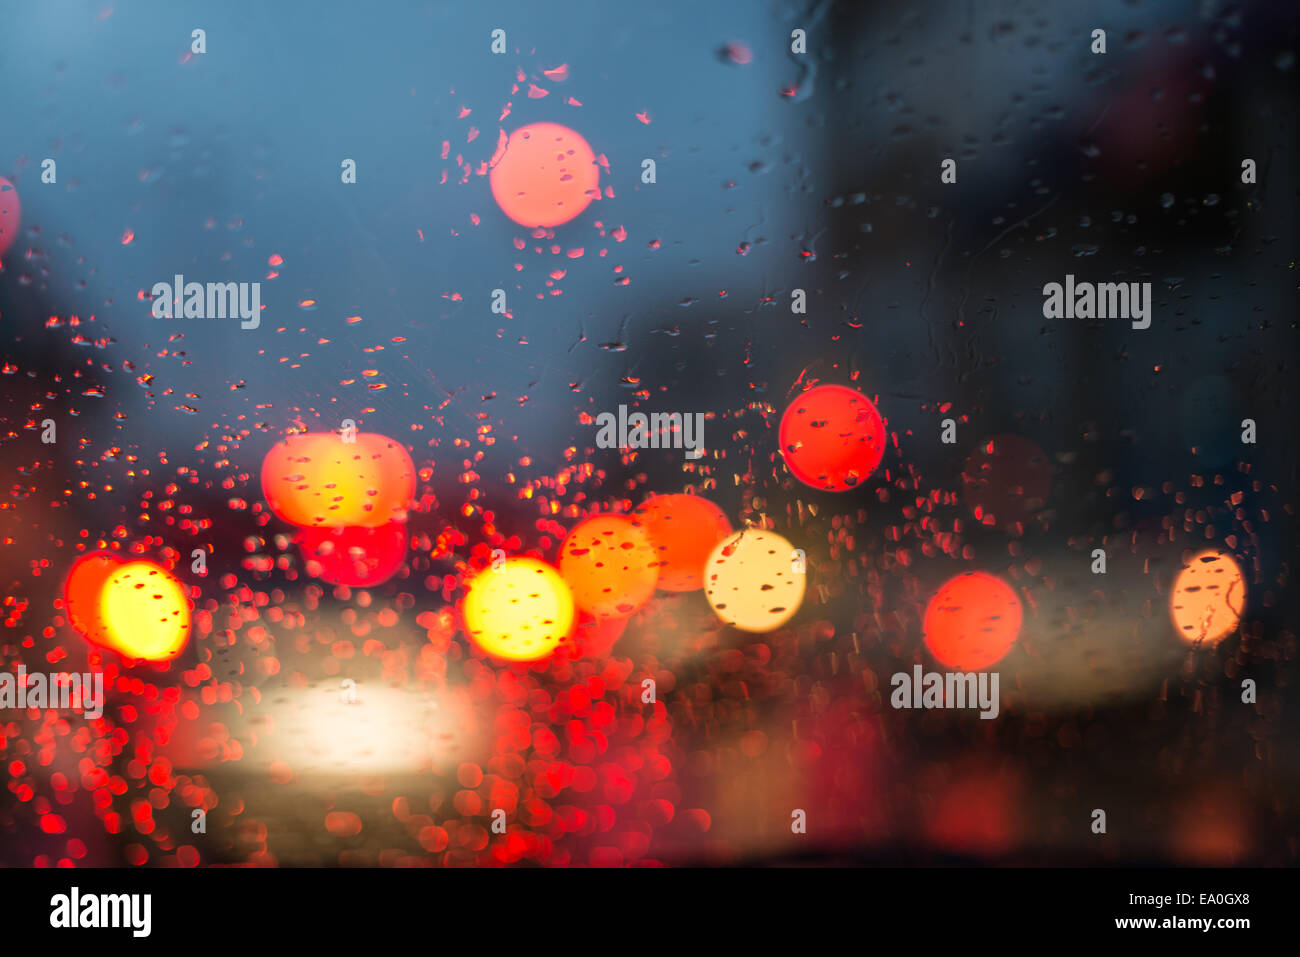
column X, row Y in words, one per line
column 81, row 591
column 683, row 530
column 316, row 479
column 545, row 176
column 610, row 565
column 1208, row 597
column 832, row 438
column 972, row 621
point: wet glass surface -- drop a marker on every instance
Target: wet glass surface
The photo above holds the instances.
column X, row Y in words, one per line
column 460, row 276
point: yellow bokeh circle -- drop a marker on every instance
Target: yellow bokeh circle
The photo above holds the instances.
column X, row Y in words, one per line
column 145, row 611
column 519, row 610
